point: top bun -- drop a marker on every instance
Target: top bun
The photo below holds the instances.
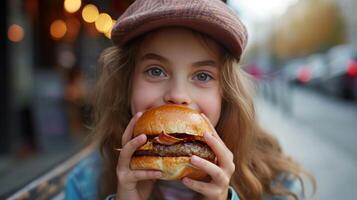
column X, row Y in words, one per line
column 171, row 119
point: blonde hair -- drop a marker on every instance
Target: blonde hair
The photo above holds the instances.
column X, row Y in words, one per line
column 258, row 157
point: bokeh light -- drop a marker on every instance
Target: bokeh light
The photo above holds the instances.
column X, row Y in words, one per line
column 58, row 29
column 108, row 34
column 90, row 13
column 103, row 23
column 66, row 59
column 15, row 33
column 72, row 6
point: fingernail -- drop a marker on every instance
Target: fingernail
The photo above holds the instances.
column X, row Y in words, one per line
column 141, row 137
column 195, row 159
column 138, row 114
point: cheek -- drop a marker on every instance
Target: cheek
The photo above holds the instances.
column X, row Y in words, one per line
column 210, row 105
column 143, row 95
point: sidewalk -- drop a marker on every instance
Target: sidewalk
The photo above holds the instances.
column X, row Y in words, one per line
column 15, row 173
column 335, row 170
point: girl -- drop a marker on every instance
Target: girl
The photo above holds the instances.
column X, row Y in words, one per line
column 181, row 52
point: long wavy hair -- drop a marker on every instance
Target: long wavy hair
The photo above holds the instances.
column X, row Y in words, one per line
column 258, row 157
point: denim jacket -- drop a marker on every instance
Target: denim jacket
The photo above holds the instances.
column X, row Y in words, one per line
column 82, row 182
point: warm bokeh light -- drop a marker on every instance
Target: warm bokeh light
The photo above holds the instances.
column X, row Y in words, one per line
column 103, row 23
column 15, row 33
column 58, row 29
column 90, row 13
column 72, row 6
column 108, row 34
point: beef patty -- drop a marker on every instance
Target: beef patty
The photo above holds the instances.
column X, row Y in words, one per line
column 179, row 149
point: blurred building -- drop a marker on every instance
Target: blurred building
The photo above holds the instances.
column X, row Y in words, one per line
column 49, row 54
column 4, row 79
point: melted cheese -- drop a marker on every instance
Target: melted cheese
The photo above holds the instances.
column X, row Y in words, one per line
column 147, row 146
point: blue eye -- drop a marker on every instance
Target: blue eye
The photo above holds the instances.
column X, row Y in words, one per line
column 155, row 72
column 203, row 77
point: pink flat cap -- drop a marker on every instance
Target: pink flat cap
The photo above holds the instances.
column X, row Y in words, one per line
column 211, row 17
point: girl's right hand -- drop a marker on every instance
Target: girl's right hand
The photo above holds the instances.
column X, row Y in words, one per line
column 133, row 184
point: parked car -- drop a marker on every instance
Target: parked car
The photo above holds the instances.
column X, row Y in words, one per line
column 317, row 69
column 294, row 71
column 341, row 77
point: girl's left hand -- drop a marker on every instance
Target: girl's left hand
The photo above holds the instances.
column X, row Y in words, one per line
column 220, row 173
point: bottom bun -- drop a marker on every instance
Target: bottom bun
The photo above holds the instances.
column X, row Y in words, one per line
column 173, row 168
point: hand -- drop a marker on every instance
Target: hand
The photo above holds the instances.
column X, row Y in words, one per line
column 220, row 174
column 133, row 184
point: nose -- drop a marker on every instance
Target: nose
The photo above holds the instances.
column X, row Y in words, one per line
column 177, row 94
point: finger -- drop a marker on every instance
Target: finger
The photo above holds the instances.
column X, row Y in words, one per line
column 203, row 188
column 214, row 132
column 129, row 149
column 223, row 154
column 140, row 175
column 216, row 173
column 129, row 129
column 126, row 178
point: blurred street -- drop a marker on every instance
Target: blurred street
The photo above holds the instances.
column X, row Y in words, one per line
column 27, row 169
column 320, row 133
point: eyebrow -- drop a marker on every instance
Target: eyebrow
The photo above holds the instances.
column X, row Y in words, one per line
column 153, row 56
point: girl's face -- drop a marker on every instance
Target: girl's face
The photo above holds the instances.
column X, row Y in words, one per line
column 174, row 66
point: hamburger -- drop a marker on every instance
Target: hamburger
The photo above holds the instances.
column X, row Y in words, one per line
column 174, row 133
